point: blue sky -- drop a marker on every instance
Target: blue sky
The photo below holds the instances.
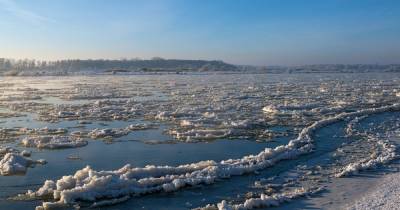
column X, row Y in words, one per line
column 259, row 32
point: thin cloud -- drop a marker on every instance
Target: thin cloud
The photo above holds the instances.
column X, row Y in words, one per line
column 26, row 15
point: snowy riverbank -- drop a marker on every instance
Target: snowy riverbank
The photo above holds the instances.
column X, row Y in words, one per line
column 385, row 195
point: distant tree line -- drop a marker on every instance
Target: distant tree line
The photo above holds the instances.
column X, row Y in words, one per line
column 104, row 65
column 72, row 66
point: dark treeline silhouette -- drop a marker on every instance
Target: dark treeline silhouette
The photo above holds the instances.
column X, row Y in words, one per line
column 13, row 67
column 107, row 65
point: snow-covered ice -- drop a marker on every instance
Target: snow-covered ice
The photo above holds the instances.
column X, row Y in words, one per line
column 12, row 164
column 290, row 117
column 53, row 142
column 90, row 185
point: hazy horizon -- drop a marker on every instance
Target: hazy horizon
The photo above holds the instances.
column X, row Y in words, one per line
column 151, row 58
column 262, row 33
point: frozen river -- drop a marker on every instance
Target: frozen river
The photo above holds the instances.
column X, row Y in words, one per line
column 227, row 141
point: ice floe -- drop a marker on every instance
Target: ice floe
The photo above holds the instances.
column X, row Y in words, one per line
column 53, row 142
column 263, row 201
column 12, row 164
column 241, row 107
column 385, row 153
column 93, row 186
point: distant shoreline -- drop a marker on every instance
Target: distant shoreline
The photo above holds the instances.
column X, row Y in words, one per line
column 26, row 67
column 65, row 74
